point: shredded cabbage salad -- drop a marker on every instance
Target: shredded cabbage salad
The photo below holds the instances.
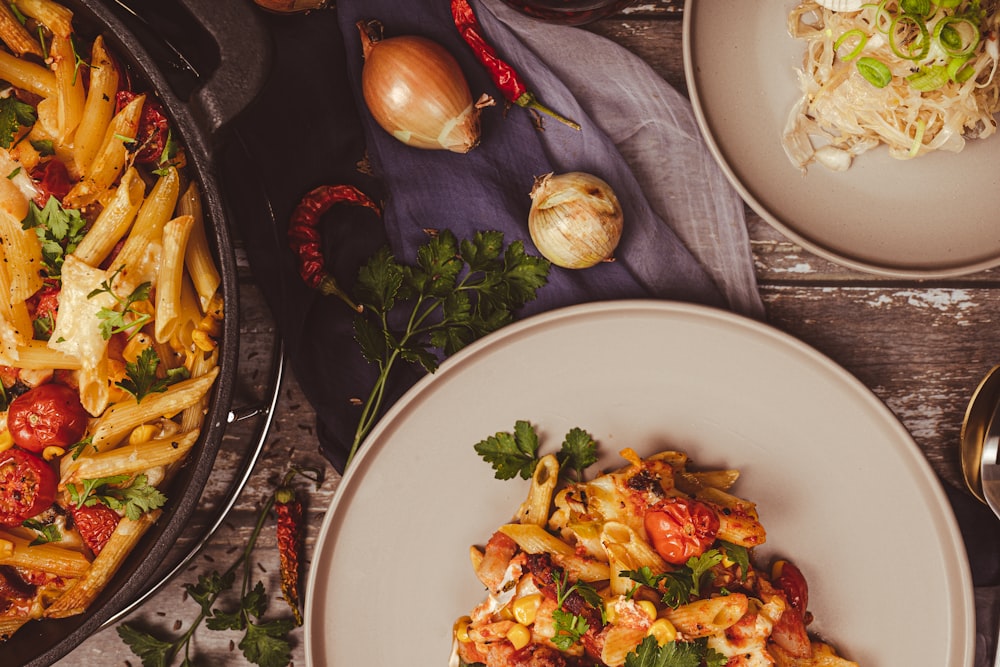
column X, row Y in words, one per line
column 915, row 75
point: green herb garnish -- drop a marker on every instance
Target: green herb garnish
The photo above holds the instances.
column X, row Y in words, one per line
column 14, row 114
column 141, row 378
column 132, row 495
column 59, row 231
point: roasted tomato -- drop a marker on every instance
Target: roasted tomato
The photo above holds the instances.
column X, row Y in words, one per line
column 680, row 528
column 27, row 486
column 790, row 630
column 48, row 415
column 52, row 180
column 95, row 523
column 792, row 583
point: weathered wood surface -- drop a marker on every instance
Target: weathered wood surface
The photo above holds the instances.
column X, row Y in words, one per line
column 921, row 346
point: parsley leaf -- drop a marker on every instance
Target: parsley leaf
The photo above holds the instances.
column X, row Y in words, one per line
column 129, row 317
column 678, row 586
column 579, row 451
column 141, row 378
column 265, row 644
column 134, row 498
column 569, row 626
column 13, row 115
column 739, row 555
column 455, row 293
column 152, row 651
column 674, row 654
column 59, row 230
column 47, row 532
column 511, row 454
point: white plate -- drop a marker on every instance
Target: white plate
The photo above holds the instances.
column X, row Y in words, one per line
column 841, row 487
column 936, row 215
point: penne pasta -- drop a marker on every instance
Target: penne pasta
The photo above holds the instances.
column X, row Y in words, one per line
column 98, row 108
column 535, row 509
column 83, row 592
column 27, row 75
column 198, row 259
column 23, row 258
column 171, row 276
column 48, row 557
column 55, row 17
column 147, row 232
column 15, row 35
column 70, row 95
column 113, row 221
column 133, row 458
column 708, row 616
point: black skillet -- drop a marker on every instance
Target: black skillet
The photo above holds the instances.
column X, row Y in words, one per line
column 206, row 60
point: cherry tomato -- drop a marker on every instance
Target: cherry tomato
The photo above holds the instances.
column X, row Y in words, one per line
column 51, row 179
column 792, row 583
column 680, row 528
column 50, row 414
column 95, row 524
column 27, row 486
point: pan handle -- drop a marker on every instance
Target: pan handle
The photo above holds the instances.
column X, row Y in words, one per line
column 244, row 60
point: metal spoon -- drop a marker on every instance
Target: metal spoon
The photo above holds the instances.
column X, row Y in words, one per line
column 977, row 420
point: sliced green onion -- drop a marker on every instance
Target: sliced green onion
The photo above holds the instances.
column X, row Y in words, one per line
column 883, row 18
column 918, row 7
column 958, row 69
column 875, row 71
column 929, row 78
column 918, row 138
column 851, row 34
column 948, row 4
column 917, row 50
column 957, row 35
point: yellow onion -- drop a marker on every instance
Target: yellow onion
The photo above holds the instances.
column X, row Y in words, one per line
column 575, row 219
column 417, row 92
column 291, row 6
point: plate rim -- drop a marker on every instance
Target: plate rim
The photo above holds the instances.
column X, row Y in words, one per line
column 944, row 270
column 457, row 361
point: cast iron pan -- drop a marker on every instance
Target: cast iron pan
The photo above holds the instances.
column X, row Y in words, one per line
column 206, row 60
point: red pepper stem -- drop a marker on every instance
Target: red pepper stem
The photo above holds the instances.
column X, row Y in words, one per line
column 328, row 287
column 529, row 101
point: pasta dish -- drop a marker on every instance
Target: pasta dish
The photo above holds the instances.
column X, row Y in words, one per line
column 109, row 313
column 915, row 75
column 647, row 565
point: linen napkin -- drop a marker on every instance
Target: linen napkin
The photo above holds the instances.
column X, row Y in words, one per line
column 684, row 237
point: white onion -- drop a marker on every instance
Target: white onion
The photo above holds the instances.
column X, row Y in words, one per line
column 575, row 219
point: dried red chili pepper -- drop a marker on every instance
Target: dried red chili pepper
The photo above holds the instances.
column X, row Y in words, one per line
column 304, row 238
column 289, row 534
column 504, row 76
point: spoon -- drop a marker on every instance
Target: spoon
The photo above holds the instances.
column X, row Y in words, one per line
column 978, row 415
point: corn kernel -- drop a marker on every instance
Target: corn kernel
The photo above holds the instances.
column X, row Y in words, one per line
column 141, row 434
column 519, row 635
column 648, row 607
column 52, row 452
column 526, row 608
column 776, row 568
column 6, row 441
column 663, row 631
column 462, row 629
column 611, row 611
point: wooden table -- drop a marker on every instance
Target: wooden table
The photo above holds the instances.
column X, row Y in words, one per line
column 921, row 346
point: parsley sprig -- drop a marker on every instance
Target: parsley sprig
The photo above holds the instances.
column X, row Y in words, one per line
column 680, row 585
column 674, row 654
column 122, row 493
column 455, row 293
column 59, row 231
column 14, row 114
column 264, row 643
column 46, row 532
column 570, row 627
column 129, row 318
column 513, row 454
column 141, row 378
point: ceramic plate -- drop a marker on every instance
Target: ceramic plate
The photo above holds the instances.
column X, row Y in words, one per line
column 840, row 486
column 932, row 216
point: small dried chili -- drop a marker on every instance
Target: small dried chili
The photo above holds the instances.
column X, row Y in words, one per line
column 288, row 508
column 304, row 237
column 504, row 76
column 290, row 533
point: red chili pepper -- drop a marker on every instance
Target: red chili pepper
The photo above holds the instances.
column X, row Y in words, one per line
column 504, row 76
column 289, row 532
column 304, row 238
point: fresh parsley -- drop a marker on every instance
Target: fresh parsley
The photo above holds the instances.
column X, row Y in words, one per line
column 169, row 156
column 513, row 454
column 129, row 317
column 264, row 643
column 141, row 378
column 455, row 293
column 14, row 114
column 59, row 231
column 569, row 626
column 45, row 147
column 739, row 555
column 678, row 586
column 78, row 448
column 132, row 495
column 674, row 654
column 47, row 532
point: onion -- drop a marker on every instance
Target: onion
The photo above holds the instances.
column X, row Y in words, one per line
column 416, row 91
column 575, row 219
